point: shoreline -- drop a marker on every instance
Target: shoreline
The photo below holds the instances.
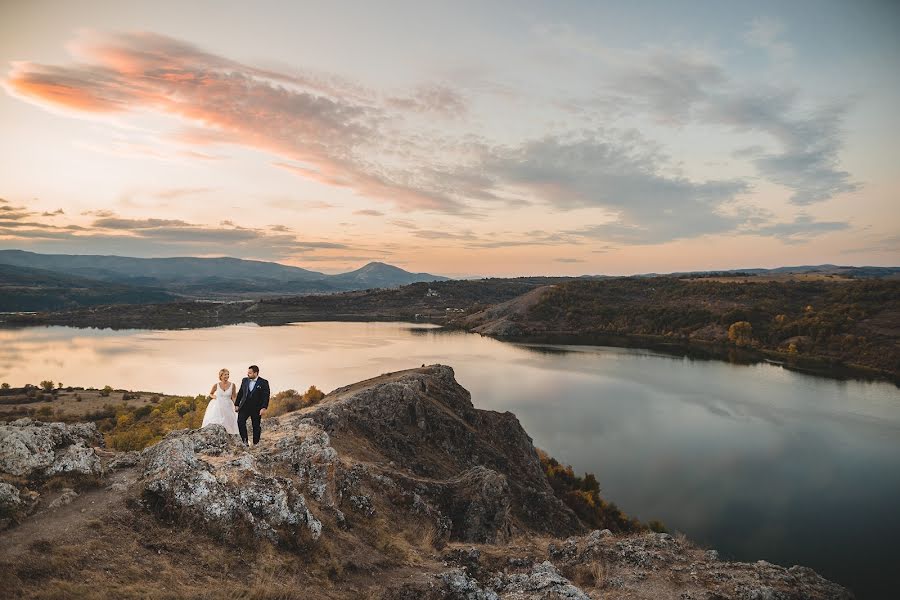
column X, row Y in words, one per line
column 818, row 366
column 815, row 365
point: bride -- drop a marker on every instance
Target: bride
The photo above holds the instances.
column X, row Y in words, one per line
column 220, row 409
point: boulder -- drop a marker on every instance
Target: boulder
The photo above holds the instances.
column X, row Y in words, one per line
column 34, row 449
column 10, row 499
column 208, row 474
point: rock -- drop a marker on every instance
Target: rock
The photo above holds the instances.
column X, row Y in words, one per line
column 33, row 449
column 180, row 476
column 124, row 460
column 467, row 558
column 460, row 586
column 539, row 582
column 476, row 467
column 566, row 550
column 10, row 500
column 542, row 581
column 68, row 494
column 309, row 453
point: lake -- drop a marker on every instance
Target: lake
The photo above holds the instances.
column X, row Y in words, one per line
column 756, row 461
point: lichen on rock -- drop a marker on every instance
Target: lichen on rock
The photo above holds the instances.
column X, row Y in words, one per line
column 34, row 449
column 208, row 474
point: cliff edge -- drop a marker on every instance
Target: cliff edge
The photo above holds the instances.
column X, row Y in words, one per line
column 392, row 488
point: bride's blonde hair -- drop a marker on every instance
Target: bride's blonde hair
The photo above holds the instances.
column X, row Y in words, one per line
column 224, row 372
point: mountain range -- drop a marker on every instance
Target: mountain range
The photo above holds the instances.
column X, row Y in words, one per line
column 32, row 281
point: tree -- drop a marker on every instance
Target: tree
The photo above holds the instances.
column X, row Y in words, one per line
column 5, row 386
column 741, row 333
column 47, row 385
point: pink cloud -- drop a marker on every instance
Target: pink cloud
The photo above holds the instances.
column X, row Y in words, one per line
column 298, row 118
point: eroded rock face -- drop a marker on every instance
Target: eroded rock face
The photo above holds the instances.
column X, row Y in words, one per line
column 413, row 438
column 33, row 449
column 477, row 467
column 208, row 474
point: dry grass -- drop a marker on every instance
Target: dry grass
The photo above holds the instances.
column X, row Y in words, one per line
column 592, row 574
column 431, row 538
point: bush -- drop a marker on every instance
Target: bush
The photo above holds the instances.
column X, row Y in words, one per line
column 47, row 385
column 106, row 391
column 582, row 495
column 4, row 385
column 290, row 400
column 741, row 333
column 657, row 526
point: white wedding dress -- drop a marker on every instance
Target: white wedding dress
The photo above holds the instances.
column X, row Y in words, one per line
column 220, row 410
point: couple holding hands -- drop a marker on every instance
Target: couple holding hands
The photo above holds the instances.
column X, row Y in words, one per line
column 231, row 407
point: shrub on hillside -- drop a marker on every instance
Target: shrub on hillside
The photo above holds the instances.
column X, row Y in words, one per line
column 290, row 400
column 582, row 495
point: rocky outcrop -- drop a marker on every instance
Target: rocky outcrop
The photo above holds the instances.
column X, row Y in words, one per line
column 207, row 474
column 478, row 468
column 629, row 563
column 411, row 441
column 358, row 495
column 33, row 449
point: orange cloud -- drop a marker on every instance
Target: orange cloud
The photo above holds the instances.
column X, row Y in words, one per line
column 63, row 89
column 294, row 117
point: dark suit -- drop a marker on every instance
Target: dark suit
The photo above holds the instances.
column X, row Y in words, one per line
column 249, row 404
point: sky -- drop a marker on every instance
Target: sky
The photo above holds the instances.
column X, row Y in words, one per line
column 455, row 138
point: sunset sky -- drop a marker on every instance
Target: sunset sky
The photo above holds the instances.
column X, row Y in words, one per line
column 457, row 138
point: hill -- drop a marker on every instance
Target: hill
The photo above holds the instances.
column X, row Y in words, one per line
column 431, row 302
column 816, row 325
column 30, row 289
column 381, row 275
column 186, row 278
column 392, row 488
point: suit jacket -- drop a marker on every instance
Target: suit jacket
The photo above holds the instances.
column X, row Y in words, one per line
column 250, row 402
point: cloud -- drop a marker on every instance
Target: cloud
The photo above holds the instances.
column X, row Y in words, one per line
column 569, row 260
column 624, row 176
column 165, row 230
column 98, row 213
column 339, row 134
column 433, row 99
column 432, row 234
column 132, row 224
column 766, row 33
column 889, row 244
column 175, row 193
column 802, row 228
column 810, row 143
column 369, row 213
column 13, row 213
column 168, row 237
column 325, row 133
column 680, row 87
column 404, row 224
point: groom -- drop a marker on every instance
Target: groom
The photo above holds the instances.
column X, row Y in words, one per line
column 252, row 401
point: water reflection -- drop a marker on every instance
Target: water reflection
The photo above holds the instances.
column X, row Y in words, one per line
column 755, row 460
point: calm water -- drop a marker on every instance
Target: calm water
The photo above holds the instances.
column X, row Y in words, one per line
column 756, row 461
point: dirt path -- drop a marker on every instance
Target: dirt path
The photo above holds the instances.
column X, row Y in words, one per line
column 65, row 522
